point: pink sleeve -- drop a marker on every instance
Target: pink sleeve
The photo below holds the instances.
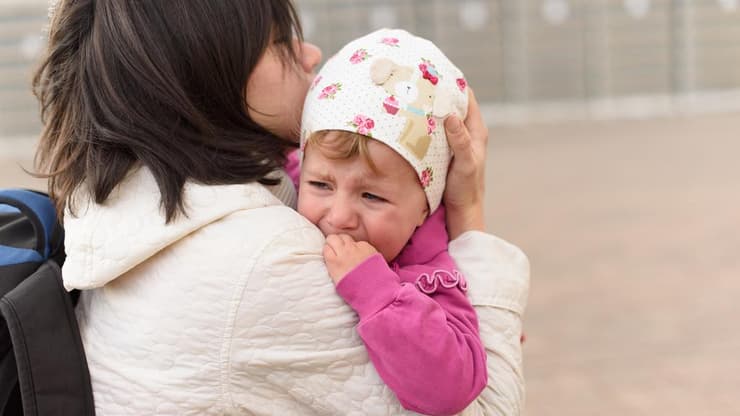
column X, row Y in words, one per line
column 426, row 347
column 293, row 167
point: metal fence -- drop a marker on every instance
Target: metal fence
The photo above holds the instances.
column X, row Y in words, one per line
column 514, row 52
column 525, row 50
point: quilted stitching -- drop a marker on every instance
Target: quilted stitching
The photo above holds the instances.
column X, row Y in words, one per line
column 202, row 318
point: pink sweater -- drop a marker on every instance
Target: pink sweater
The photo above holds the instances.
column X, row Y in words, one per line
column 420, row 329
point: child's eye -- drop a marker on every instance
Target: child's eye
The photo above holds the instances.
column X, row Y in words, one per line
column 372, row 197
column 319, row 185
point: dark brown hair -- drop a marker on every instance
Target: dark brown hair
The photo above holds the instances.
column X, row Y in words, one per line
column 158, row 83
column 342, row 145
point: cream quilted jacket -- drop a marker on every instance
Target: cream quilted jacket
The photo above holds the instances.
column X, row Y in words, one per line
column 230, row 310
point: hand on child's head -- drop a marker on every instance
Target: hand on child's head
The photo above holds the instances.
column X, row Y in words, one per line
column 342, row 254
column 465, row 189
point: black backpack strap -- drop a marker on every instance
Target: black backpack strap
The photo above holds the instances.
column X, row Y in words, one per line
column 52, row 368
column 9, row 395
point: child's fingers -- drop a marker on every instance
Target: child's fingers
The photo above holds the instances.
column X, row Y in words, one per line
column 335, row 242
column 328, row 252
column 340, row 243
column 347, row 240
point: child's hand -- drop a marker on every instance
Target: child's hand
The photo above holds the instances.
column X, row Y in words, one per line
column 342, row 254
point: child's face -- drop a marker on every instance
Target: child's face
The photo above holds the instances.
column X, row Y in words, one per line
column 347, row 197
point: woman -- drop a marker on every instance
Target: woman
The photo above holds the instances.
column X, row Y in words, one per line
column 166, row 125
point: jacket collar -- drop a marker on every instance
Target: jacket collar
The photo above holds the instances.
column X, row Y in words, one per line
column 104, row 241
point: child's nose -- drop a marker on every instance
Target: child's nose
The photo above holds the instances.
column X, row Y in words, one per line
column 342, row 216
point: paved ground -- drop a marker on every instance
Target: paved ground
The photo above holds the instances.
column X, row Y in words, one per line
column 633, row 232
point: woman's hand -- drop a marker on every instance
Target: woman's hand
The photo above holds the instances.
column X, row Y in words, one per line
column 464, row 193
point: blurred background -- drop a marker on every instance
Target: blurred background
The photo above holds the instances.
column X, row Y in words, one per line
column 613, row 165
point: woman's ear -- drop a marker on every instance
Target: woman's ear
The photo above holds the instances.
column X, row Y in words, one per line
column 381, row 70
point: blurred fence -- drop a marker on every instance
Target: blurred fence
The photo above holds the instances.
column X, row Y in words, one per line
column 522, row 54
column 21, row 41
column 519, row 50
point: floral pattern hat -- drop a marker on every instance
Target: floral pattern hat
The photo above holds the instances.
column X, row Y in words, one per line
column 396, row 88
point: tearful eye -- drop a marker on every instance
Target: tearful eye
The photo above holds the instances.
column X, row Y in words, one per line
column 372, row 197
column 319, row 185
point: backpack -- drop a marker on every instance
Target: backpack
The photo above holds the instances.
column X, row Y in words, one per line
column 43, row 369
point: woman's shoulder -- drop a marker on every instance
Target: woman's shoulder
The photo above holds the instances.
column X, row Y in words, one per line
column 271, row 220
column 270, row 227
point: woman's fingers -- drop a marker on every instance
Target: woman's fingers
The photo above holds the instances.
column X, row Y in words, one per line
column 464, row 192
column 476, row 125
column 457, row 136
column 463, row 162
column 468, row 140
